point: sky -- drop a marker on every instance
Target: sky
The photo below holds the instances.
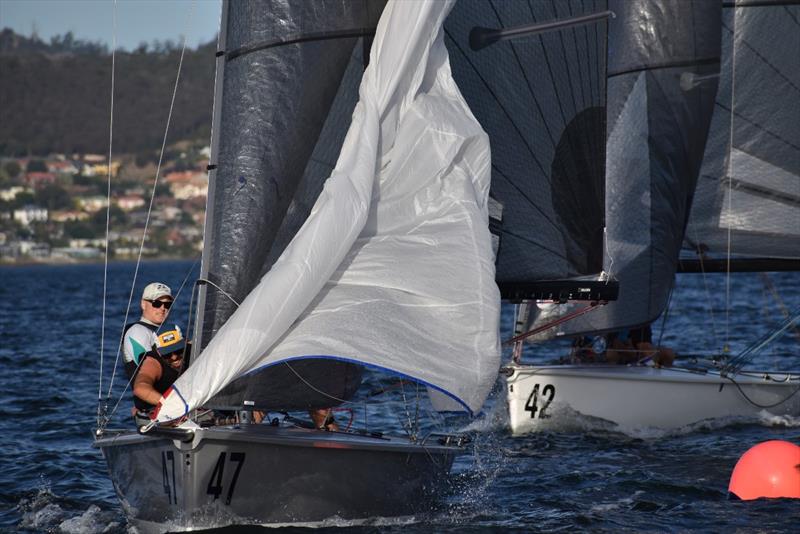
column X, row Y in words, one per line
column 93, row 20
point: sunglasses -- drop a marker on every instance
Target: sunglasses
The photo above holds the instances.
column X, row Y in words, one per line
column 175, row 356
column 158, row 303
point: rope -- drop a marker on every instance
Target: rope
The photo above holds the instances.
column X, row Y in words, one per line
column 108, row 210
column 152, row 198
column 209, row 282
column 762, row 406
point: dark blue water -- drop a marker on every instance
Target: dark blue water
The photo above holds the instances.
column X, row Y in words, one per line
column 51, row 480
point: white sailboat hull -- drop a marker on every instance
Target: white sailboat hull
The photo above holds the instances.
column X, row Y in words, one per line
column 264, row 475
column 637, row 397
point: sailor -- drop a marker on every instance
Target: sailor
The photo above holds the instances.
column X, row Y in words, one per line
column 158, row 369
column 140, row 336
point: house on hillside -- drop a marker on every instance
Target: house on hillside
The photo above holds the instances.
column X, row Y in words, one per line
column 130, row 202
column 30, row 213
column 39, row 179
column 93, row 203
column 62, row 167
column 12, row 192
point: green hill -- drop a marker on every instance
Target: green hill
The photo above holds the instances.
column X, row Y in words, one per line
column 56, row 97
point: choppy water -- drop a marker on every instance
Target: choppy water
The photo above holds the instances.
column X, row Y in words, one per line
column 579, row 477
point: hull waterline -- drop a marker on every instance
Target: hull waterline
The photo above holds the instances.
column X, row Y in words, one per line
column 258, row 474
column 636, row 397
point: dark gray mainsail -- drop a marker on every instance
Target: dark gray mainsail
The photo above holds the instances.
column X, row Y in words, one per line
column 664, row 60
column 747, row 201
column 541, row 99
column 288, row 77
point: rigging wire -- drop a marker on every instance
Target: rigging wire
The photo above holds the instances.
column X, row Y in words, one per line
column 726, row 346
column 736, row 364
column 108, row 210
column 150, row 207
column 152, row 196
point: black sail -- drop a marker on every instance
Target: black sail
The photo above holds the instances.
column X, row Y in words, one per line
column 288, row 79
column 748, row 196
column 541, row 99
column 664, row 60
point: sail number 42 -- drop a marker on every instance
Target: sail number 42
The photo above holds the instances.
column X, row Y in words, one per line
column 545, row 398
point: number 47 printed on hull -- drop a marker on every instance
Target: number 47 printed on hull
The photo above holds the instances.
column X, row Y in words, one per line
column 532, row 404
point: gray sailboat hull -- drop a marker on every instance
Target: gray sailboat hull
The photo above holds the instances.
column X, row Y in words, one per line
column 260, row 474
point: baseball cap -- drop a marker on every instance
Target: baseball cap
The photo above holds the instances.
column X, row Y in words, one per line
column 155, row 291
column 170, row 341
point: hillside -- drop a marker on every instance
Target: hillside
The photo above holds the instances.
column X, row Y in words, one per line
column 55, row 97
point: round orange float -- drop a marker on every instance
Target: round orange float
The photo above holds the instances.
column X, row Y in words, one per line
column 769, row 469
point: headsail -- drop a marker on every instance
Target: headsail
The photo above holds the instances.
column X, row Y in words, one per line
column 749, row 186
column 393, row 267
column 662, row 81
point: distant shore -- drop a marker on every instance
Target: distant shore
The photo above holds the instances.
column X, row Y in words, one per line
column 29, row 262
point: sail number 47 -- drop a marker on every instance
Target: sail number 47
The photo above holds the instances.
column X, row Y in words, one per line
column 532, row 404
column 215, row 483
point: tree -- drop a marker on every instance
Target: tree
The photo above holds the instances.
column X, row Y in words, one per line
column 12, row 168
column 53, row 197
column 36, row 165
column 78, row 230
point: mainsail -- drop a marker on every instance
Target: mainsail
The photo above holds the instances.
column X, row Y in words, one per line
column 747, row 201
column 662, row 81
column 287, row 83
column 541, row 98
column 393, row 267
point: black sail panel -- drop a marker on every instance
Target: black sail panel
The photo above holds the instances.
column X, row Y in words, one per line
column 662, row 81
column 541, row 100
column 748, row 195
column 291, row 77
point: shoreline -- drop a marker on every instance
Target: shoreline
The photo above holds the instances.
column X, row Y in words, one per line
column 28, row 262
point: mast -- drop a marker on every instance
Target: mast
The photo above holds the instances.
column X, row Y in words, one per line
column 212, row 175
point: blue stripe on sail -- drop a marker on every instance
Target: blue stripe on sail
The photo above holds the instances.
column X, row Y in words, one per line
column 368, row 365
column 185, row 404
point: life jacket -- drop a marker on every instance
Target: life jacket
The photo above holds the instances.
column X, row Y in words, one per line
column 131, row 366
column 168, row 376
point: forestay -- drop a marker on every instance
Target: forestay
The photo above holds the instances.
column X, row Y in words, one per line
column 748, row 195
column 394, row 267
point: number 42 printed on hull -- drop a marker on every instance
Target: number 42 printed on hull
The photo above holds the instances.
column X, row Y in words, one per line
column 532, row 404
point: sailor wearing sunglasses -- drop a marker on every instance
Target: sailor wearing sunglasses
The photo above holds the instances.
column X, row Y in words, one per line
column 140, row 336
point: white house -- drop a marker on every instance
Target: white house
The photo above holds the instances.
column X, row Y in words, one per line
column 28, row 214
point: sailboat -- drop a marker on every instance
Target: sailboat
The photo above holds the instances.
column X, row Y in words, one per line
column 347, row 227
column 668, row 125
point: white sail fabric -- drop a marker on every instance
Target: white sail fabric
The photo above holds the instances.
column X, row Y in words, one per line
column 394, row 267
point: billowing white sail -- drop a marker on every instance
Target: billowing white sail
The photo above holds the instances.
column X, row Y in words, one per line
column 394, row 267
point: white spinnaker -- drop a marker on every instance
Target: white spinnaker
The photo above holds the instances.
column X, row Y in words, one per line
column 394, row 266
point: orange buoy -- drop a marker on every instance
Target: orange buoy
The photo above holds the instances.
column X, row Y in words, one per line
column 769, row 469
